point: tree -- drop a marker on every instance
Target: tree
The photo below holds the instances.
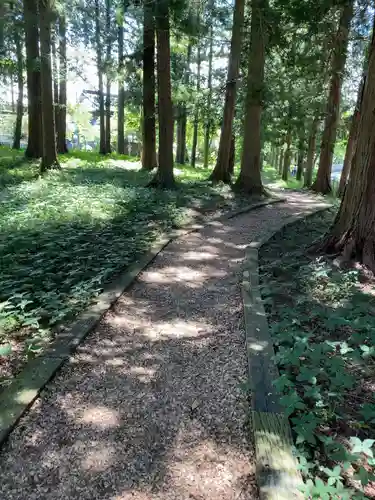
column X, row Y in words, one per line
column 353, row 232
column 301, row 155
column 18, row 125
column 287, row 154
column 49, row 157
column 55, row 75
column 34, row 146
column 149, row 135
column 221, row 171
column 164, row 177
column 249, row 180
column 108, row 77
column 310, row 153
column 63, row 76
column 322, row 183
column 352, row 140
column 99, row 64
column 207, row 131
column 121, row 90
column 196, row 112
column 182, row 114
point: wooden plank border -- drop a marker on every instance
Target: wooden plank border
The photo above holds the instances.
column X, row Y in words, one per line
column 276, row 467
column 25, row 388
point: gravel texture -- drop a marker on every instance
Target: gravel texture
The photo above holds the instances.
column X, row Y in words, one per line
column 149, row 407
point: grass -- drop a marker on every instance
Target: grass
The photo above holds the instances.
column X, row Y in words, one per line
column 272, row 179
column 62, row 236
column 322, row 319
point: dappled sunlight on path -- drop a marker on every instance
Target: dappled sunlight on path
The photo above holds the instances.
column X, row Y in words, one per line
column 150, row 406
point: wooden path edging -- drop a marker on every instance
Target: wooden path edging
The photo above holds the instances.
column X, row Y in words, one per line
column 276, row 467
column 25, row 388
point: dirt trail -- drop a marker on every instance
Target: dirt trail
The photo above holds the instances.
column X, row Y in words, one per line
column 149, row 407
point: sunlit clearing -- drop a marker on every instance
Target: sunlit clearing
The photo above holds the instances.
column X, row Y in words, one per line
column 100, row 416
column 144, row 375
column 183, row 329
column 99, row 459
column 207, row 470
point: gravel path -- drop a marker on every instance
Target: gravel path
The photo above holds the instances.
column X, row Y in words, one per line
column 150, row 408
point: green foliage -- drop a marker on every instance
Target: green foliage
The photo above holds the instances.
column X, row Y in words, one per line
column 324, row 336
column 62, row 236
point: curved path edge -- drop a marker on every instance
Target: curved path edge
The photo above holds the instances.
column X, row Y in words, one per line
column 25, row 388
column 277, row 474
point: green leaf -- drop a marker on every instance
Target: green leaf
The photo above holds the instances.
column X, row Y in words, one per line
column 5, row 349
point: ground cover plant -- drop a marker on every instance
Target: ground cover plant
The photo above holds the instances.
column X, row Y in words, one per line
column 322, row 322
column 64, row 235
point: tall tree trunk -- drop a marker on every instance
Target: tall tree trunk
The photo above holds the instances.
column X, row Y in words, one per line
column 99, row 64
column 61, row 124
column 185, row 157
column 164, row 177
column 277, row 156
column 281, row 160
column 249, row 180
column 18, row 124
column 34, row 144
column 13, row 103
column 221, row 170
column 149, row 161
column 178, row 121
column 353, row 232
column 232, row 155
column 208, row 121
column 55, row 76
column 352, row 140
column 49, row 157
column 310, row 154
column 121, row 91
column 287, row 156
column 322, row 182
column 300, row 156
column 108, row 78
column 196, row 113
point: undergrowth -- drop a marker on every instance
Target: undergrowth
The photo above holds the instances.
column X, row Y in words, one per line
column 322, row 323
column 62, row 236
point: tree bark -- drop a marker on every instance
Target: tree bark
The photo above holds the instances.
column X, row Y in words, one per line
column 353, row 232
column 34, row 144
column 61, row 124
column 49, row 157
column 221, row 170
column 164, row 177
column 277, row 155
column 196, row 114
column 183, row 116
column 55, row 76
column 179, row 151
column 249, row 180
column 300, row 156
column 149, row 161
column 99, row 63
column 121, row 92
column 322, row 182
column 108, row 78
column 18, row 125
column 208, row 121
column 352, row 140
column 287, row 157
column 281, row 161
column 310, row 154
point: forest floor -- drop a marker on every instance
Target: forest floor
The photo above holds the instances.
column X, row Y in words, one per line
column 65, row 235
column 151, row 406
column 322, row 322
